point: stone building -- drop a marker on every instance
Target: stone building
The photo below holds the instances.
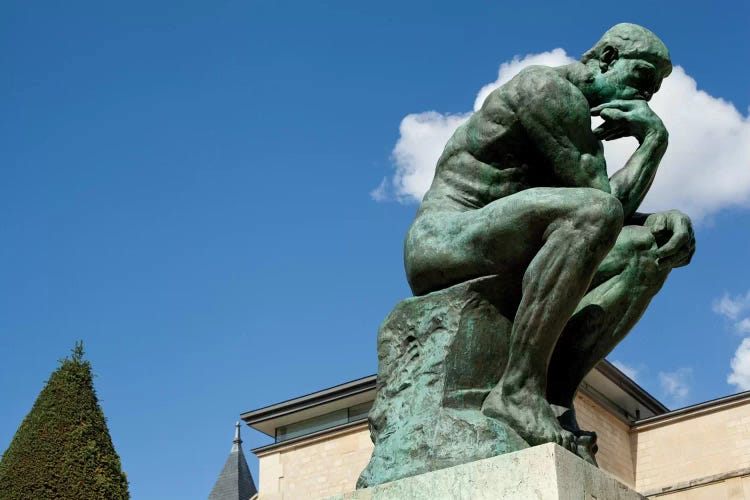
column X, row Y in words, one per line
column 322, row 442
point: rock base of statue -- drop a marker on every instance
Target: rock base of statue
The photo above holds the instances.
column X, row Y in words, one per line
column 545, row 472
column 439, row 355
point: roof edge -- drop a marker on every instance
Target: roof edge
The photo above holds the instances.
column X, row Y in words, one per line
column 310, row 400
column 628, row 385
column 693, row 410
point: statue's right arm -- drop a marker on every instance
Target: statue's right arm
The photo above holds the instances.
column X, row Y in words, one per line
column 556, row 118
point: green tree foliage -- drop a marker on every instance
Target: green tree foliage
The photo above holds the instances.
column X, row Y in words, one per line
column 63, row 450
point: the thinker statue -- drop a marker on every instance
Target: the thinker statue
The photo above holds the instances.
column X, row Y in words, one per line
column 521, row 193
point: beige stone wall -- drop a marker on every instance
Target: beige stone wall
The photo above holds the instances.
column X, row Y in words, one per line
column 613, row 437
column 736, row 488
column 703, row 454
column 320, row 467
column 330, row 464
column 698, row 448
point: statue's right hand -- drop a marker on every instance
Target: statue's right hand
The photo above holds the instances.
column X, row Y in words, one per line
column 628, row 118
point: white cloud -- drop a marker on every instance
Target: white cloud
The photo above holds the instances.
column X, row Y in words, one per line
column 423, row 137
column 731, row 307
column 631, row 372
column 740, row 376
column 380, row 193
column 736, row 309
column 743, row 326
column 676, row 384
column 706, row 168
column 707, row 165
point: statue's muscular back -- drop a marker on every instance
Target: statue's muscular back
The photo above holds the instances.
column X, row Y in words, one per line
column 494, row 154
column 468, row 223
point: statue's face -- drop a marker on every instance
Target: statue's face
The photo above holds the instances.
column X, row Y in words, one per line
column 627, row 79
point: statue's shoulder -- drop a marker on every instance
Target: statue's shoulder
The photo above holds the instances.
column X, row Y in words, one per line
column 542, row 83
column 531, row 84
column 537, row 74
column 541, row 91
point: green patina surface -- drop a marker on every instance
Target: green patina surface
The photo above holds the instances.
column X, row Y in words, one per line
column 529, row 264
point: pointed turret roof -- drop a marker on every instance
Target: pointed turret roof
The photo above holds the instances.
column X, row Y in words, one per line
column 234, row 481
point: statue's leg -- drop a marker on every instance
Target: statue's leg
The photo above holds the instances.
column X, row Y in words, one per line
column 622, row 288
column 570, row 248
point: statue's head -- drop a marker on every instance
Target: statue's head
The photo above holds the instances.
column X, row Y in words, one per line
column 629, row 62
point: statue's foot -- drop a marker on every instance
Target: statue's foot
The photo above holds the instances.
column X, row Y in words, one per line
column 566, row 417
column 586, row 446
column 530, row 415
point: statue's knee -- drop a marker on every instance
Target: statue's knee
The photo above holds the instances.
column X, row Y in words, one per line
column 602, row 213
column 612, row 211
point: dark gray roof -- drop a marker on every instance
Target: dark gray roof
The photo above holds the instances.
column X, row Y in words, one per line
column 234, row 481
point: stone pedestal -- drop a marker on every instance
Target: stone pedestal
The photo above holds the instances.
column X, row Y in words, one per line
column 546, row 472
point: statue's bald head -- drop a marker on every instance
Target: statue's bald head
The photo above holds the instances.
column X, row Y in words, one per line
column 633, row 42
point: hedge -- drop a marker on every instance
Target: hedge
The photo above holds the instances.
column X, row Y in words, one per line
column 63, row 449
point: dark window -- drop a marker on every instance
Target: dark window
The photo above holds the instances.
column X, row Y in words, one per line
column 322, row 422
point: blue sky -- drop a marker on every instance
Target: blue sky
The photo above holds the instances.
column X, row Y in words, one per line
column 187, row 187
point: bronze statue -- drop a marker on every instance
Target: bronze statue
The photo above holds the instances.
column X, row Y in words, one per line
column 521, row 194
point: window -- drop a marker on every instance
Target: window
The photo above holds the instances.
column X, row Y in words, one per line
column 359, row 411
column 321, row 422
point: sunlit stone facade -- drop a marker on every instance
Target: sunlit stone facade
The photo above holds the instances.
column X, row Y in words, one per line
column 699, row 452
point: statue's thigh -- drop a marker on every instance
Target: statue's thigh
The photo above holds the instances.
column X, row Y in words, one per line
column 510, row 231
column 445, row 248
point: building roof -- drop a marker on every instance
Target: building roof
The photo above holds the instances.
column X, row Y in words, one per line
column 235, row 481
column 695, row 410
column 268, row 418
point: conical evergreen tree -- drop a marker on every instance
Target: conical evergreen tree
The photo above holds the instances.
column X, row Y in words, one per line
column 63, row 450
